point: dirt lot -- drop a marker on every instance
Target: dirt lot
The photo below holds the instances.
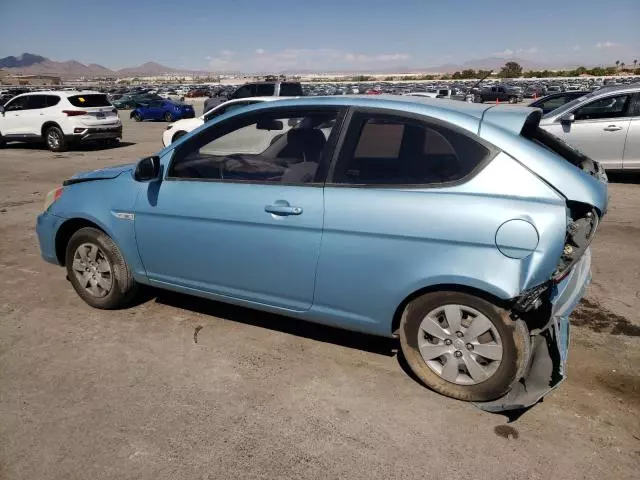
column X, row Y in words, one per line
column 189, row 389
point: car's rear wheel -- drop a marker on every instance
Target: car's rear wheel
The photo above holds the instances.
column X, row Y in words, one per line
column 168, row 117
column 513, row 100
column 178, row 135
column 463, row 346
column 137, row 117
column 97, row 270
column 55, row 139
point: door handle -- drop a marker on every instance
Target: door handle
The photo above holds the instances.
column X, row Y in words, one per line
column 283, row 210
column 612, row 128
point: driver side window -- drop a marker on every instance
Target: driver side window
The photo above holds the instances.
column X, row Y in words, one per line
column 272, row 146
column 16, row 104
column 609, row 107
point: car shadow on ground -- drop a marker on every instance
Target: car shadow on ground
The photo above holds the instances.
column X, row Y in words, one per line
column 83, row 147
column 322, row 333
column 280, row 323
column 631, row 178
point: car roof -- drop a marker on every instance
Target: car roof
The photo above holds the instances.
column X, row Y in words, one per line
column 464, row 114
column 63, row 93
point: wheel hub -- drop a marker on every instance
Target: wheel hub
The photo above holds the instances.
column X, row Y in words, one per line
column 92, row 270
column 460, row 344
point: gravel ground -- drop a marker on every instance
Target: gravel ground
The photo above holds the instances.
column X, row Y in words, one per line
column 178, row 387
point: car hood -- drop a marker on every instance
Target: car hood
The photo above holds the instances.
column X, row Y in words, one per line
column 100, row 174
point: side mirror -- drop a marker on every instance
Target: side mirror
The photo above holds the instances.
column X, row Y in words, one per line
column 270, row 125
column 147, row 169
column 568, row 118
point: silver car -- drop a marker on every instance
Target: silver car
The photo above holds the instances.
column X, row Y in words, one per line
column 604, row 125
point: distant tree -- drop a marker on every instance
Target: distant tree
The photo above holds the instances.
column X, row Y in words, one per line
column 617, row 64
column 635, row 63
column 580, row 71
column 597, row 72
column 511, row 70
column 611, row 70
column 621, row 65
column 389, row 79
column 456, row 75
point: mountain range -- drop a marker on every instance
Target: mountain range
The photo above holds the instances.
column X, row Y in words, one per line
column 32, row 64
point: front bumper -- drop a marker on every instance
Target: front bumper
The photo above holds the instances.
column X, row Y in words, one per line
column 546, row 358
column 47, row 226
column 96, row 133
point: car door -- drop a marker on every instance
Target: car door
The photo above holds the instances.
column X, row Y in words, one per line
column 599, row 128
column 631, row 158
column 14, row 121
column 241, row 223
column 388, row 203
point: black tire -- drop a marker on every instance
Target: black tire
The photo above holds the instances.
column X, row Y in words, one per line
column 137, row 117
column 168, row 117
column 54, row 138
column 178, row 135
column 513, row 335
column 2, row 142
column 513, row 100
column 123, row 286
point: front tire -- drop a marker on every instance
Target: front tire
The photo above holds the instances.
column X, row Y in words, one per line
column 137, row 117
column 462, row 346
column 168, row 117
column 97, row 270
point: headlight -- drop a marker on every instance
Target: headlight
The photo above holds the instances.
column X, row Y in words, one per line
column 52, row 196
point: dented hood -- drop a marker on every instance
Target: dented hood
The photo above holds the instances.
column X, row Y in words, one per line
column 100, row 174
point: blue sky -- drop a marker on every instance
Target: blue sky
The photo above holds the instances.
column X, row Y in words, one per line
column 259, row 35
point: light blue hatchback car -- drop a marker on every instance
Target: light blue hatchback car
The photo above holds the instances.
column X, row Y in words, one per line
column 463, row 229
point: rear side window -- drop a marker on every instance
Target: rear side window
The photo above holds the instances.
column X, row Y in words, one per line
column 390, row 150
column 90, row 100
column 265, row 89
column 36, row 102
column 290, row 89
column 52, row 100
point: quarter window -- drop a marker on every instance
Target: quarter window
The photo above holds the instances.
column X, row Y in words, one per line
column 263, row 147
column 244, row 92
column 609, row 107
column 389, row 150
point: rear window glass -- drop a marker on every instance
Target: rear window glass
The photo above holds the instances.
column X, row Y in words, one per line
column 290, row 90
column 92, row 100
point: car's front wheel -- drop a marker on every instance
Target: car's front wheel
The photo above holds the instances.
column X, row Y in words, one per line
column 137, row 117
column 463, row 346
column 168, row 117
column 97, row 270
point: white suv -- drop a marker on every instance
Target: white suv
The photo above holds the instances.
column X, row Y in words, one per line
column 59, row 119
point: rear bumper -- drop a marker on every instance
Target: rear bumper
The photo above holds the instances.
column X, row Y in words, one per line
column 546, row 357
column 47, row 227
column 96, row 133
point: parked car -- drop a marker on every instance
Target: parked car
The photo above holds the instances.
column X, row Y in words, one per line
column 176, row 130
column 555, row 100
column 473, row 249
column 166, row 110
column 604, row 125
column 499, row 93
column 258, row 89
column 59, row 119
column 127, row 102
